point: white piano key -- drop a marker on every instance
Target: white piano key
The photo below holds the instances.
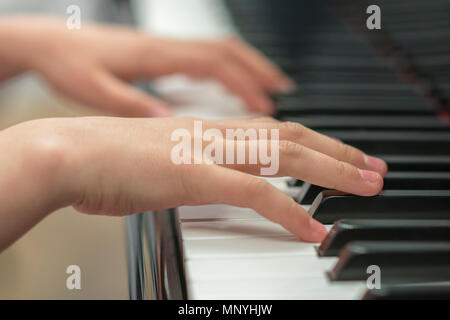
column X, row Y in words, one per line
column 313, row 288
column 218, row 212
column 215, row 211
column 270, row 247
column 344, row 294
column 291, row 191
column 195, row 98
column 282, row 267
column 231, row 229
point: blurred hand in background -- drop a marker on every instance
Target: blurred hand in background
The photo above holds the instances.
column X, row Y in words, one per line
column 95, row 64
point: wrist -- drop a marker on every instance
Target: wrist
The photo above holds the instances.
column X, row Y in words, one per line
column 42, row 152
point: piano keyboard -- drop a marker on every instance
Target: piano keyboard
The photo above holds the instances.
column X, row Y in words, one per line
column 385, row 91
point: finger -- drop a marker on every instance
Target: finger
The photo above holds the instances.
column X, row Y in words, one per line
column 118, row 97
column 300, row 162
column 200, row 60
column 297, row 133
column 271, row 77
column 243, row 190
column 320, row 169
column 238, row 81
column 332, row 147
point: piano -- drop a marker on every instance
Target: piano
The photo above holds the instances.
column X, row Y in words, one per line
column 385, row 91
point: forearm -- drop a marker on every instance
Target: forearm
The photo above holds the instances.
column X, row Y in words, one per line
column 30, row 167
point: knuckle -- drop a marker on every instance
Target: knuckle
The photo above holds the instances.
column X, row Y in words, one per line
column 292, row 209
column 293, row 129
column 341, row 168
column 290, row 148
column 289, row 214
column 344, row 151
column 191, row 192
column 257, row 187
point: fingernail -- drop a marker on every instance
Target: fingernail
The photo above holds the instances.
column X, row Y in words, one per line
column 318, row 229
column 287, row 86
column 370, row 176
column 375, row 164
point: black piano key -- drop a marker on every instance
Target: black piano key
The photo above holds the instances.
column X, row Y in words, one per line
column 331, row 205
column 344, row 76
column 414, row 7
column 330, row 64
column 298, row 106
column 308, row 193
column 418, row 163
column 398, row 261
column 410, row 164
column 410, row 26
column 345, row 231
column 395, row 142
column 417, row 181
column 352, row 88
column 317, row 39
column 418, row 291
column 333, row 84
column 392, row 181
column 336, row 122
column 317, row 49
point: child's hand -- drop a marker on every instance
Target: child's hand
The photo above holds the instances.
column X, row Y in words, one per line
column 120, row 166
column 93, row 65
